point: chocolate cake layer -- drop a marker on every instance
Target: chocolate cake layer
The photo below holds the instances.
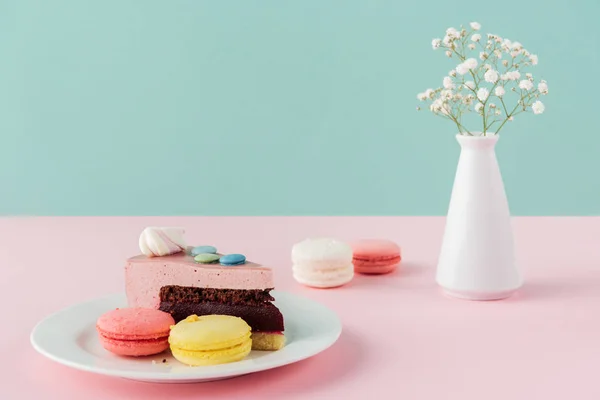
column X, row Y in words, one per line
column 266, row 318
column 188, row 294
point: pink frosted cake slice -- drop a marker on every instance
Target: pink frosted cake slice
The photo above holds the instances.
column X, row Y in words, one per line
column 177, row 284
column 144, row 276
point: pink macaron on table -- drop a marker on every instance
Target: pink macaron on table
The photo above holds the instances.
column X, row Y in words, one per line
column 401, row 338
column 375, row 256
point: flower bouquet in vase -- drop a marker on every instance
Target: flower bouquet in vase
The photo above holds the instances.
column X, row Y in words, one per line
column 488, row 87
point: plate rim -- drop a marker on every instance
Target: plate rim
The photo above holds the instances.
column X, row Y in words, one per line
column 192, row 375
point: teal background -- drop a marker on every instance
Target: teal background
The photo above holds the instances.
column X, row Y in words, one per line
column 121, row 107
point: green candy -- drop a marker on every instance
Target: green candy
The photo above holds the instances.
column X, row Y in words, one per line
column 207, row 258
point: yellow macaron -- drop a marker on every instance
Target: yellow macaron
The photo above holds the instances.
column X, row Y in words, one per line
column 210, row 340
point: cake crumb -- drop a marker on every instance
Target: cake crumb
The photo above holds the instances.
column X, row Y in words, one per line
column 164, row 360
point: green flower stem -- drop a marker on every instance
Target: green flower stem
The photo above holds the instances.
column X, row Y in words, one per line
column 503, row 105
column 449, row 117
column 507, row 118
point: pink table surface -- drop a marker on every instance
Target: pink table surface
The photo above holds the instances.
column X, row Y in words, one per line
column 401, row 338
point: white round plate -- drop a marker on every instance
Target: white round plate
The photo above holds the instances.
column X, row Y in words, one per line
column 70, row 338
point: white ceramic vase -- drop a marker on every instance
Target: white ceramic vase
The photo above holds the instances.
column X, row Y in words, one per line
column 477, row 259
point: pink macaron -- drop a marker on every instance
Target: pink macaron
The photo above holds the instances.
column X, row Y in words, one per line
column 375, row 256
column 135, row 331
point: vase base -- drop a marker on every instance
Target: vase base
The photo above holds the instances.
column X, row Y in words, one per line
column 479, row 296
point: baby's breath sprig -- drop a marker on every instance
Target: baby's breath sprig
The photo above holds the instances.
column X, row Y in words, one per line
column 485, row 86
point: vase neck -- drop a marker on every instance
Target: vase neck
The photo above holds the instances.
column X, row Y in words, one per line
column 477, row 142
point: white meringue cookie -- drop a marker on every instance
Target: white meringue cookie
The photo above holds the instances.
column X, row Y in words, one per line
column 157, row 242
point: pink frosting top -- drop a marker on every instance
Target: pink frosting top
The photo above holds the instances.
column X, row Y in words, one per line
column 144, row 276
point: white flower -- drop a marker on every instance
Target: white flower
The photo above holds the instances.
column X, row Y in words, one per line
column 468, row 99
column 491, row 76
column 516, row 46
column 543, row 87
column 483, row 55
column 440, row 106
column 510, row 118
column 448, row 84
column 429, row 93
column 476, row 37
column 505, row 63
column 471, row 46
column 448, row 53
column 499, row 91
column 526, row 84
column 422, row 96
column 482, row 94
column 476, row 26
column 512, row 75
column 452, row 33
column 497, row 112
column 436, row 43
column 470, row 63
column 446, row 94
column 452, row 73
column 470, row 84
column 514, row 53
column 492, row 105
column 462, row 69
column 498, row 53
column 478, row 107
column 534, row 59
column 506, row 44
column 525, row 53
column 538, row 107
column 529, row 76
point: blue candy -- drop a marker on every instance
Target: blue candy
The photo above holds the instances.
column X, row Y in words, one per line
column 231, row 260
column 203, row 250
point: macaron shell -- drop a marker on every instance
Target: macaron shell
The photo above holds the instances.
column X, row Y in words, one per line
column 375, row 247
column 202, row 358
column 320, row 278
column 321, row 249
column 133, row 348
column 382, row 269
